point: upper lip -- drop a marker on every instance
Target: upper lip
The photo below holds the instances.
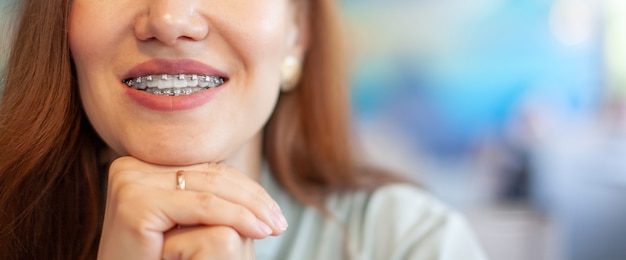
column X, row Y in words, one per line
column 164, row 66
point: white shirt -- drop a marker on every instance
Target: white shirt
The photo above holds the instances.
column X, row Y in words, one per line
column 396, row 221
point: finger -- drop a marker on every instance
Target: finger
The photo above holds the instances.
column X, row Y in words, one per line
column 215, row 177
column 224, row 182
column 202, row 242
column 233, row 186
column 208, row 177
column 201, row 208
column 236, row 188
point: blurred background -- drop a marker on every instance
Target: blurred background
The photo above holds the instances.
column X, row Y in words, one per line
column 512, row 111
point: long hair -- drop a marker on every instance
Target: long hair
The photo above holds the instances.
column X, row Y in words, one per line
column 49, row 191
column 308, row 139
column 50, row 184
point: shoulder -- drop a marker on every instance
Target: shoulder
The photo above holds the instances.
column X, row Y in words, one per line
column 402, row 203
column 401, row 221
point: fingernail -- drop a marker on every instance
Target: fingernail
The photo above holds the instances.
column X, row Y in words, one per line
column 279, row 221
column 264, row 227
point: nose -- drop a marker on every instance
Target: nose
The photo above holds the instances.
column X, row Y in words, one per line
column 169, row 21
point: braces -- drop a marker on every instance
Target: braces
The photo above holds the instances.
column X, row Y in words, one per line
column 213, row 81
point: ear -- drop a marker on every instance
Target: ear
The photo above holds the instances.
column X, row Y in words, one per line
column 299, row 35
column 298, row 43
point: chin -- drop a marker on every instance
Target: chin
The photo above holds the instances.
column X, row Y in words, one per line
column 174, row 160
column 185, row 157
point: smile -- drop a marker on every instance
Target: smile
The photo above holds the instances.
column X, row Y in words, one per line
column 175, row 85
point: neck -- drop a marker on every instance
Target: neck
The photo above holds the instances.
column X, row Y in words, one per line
column 248, row 158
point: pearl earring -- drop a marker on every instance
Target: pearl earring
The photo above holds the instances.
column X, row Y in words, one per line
column 290, row 73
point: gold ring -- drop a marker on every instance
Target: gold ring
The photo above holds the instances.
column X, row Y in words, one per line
column 180, row 180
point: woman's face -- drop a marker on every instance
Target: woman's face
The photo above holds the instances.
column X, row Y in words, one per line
column 181, row 82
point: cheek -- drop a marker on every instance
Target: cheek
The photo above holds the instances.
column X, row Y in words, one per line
column 259, row 31
column 93, row 30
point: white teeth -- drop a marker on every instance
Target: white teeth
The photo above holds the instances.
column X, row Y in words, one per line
column 180, row 81
column 149, row 83
column 166, row 82
column 204, row 82
column 174, row 85
column 193, row 82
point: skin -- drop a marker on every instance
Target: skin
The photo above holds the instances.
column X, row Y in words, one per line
column 218, row 144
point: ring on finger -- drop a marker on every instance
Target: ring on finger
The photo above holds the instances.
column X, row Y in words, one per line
column 180, row 180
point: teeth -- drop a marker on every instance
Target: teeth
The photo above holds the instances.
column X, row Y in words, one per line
column 174, row 91
column 165, row 82
column 193, row 82
column 174, row 85
column 180, row 81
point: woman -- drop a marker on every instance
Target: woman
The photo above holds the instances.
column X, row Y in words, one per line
column 140, row 130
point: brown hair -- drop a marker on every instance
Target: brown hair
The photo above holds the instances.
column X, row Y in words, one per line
column 307, row 140
column 50, row 188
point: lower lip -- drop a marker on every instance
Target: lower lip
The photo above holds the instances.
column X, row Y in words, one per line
column 172, row 103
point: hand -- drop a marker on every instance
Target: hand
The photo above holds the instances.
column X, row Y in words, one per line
column 144, row 208
column 207, row 243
